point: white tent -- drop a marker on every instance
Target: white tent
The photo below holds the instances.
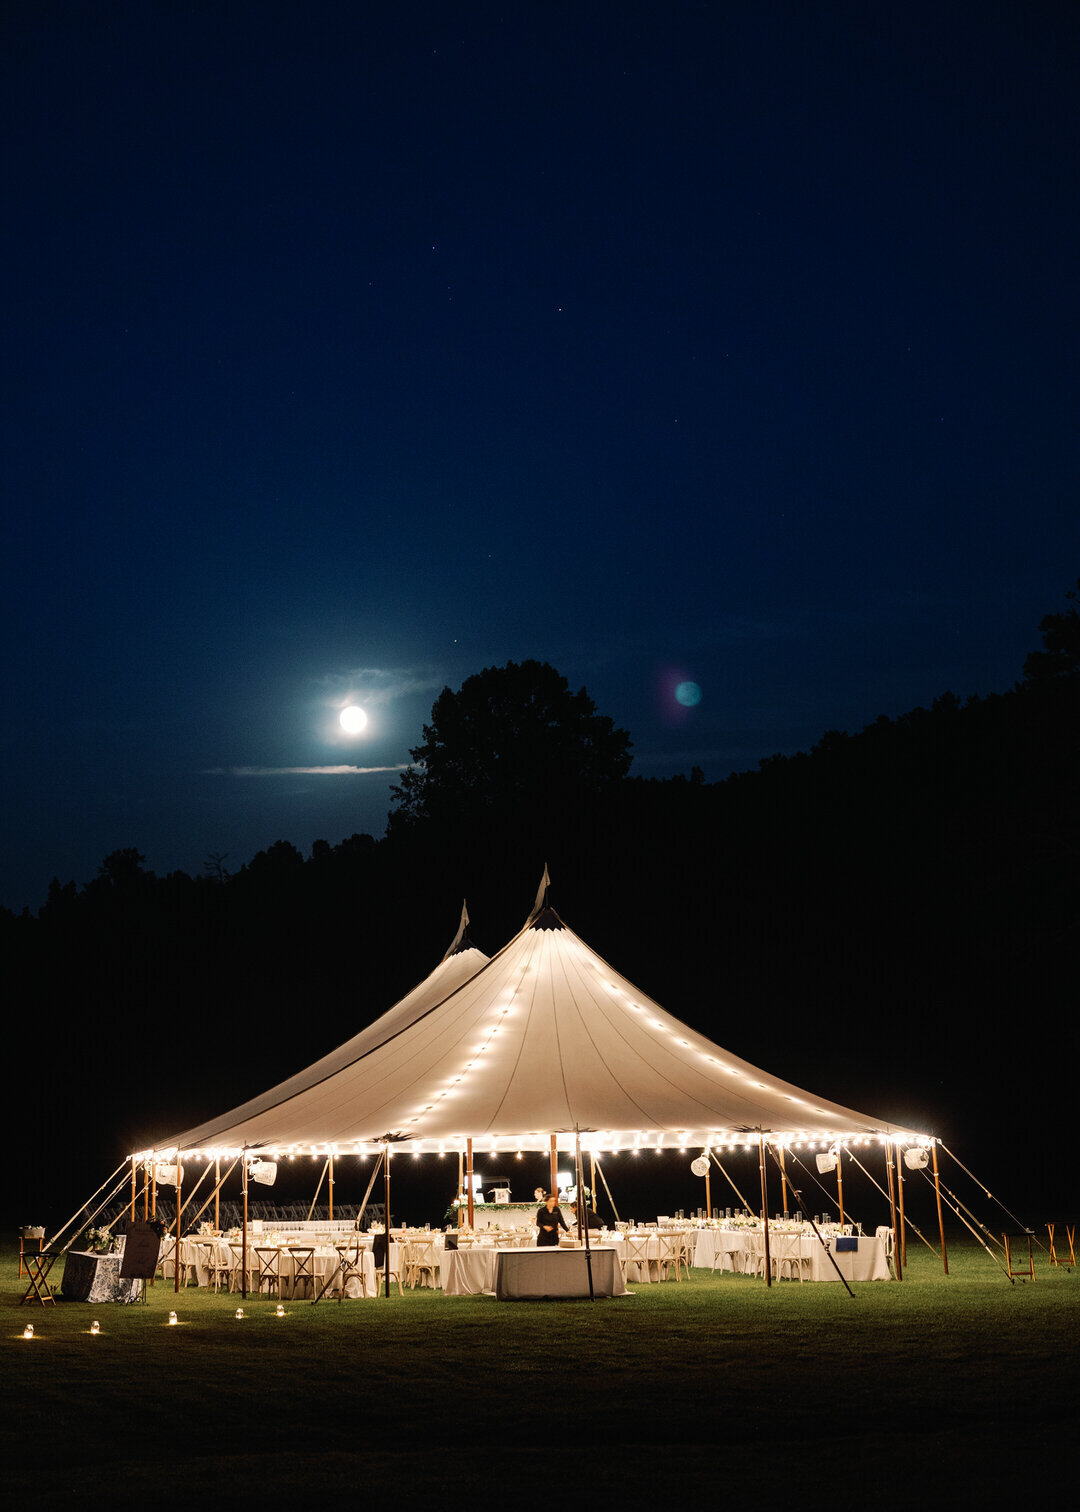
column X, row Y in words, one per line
column 545, row 1038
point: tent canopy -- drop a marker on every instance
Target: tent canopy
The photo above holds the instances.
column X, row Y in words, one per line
column 545, row 1038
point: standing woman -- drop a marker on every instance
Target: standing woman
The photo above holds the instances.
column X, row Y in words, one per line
column 549, row 1220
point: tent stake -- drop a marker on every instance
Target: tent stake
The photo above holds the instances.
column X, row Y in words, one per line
column 765, row 1210
column 940, row 1219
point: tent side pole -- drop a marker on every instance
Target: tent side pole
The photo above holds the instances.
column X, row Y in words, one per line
column 892, row 1204
column 468, row 1182
column 330, row 1187
column 179, row 1211
column 217, row 1195
column 783, row 1182
column 386, row 1199
column 133, row 1183
column 840, row 1182
column 708, row 1195
column 900, row 1194
column 244, row 1234
column 765, row 1210
column 553, row 1159
column 592, row 1177
column 583, row 1211
column 940, row 1218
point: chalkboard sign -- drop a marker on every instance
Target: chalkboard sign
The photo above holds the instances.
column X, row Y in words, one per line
column 140, row 1252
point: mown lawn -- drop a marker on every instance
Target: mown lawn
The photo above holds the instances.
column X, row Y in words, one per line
column 940, row 1389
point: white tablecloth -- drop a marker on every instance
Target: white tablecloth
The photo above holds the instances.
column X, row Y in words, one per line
column 532, row 1274
column 467, row 1272
column 789, row 1252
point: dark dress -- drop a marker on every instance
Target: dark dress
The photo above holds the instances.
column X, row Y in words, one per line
column 548, row 1225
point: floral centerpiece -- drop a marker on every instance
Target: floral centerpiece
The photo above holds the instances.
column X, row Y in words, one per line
column 100, row 1240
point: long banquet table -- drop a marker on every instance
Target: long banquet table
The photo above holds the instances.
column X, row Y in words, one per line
column 533, row 1274
column 797, row 1254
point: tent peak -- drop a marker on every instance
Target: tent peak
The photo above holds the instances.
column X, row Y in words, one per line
column 547, row 918
column 461, row 940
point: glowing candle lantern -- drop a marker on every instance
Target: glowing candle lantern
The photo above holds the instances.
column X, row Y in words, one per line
column 95, row 1327
column 28, row 1331
column 172, row 1320
column 239, row 1312
column 280, row 1311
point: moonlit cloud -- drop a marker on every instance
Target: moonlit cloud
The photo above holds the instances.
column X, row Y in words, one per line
column 374, row 686
column 300, row 771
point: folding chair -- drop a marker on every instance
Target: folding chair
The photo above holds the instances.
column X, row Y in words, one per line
column 268, row 1260
column 303, row 1269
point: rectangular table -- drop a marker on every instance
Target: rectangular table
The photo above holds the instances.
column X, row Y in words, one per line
column 468, row 1272
column 96, row 1278
column 532, row 1274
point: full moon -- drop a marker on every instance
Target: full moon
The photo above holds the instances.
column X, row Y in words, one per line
column 353, row 719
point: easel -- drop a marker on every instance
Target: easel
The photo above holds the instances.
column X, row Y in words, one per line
column 1071, row 1235
column 1021, row 1271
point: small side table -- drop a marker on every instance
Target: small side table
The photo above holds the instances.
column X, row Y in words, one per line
column 38, row 1268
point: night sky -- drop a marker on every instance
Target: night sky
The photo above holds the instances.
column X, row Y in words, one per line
column 350, row 349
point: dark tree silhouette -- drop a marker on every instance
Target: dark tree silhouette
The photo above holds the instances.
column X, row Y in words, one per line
column 513, row 734
column 1060, row 656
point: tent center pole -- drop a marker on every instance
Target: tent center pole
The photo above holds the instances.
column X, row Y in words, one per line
column 553, row 1182
column 469, row 1183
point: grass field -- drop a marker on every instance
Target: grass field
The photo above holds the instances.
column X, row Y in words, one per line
column 937, row 1390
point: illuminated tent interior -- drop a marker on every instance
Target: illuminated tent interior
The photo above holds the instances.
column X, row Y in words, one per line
column 545, row 1038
